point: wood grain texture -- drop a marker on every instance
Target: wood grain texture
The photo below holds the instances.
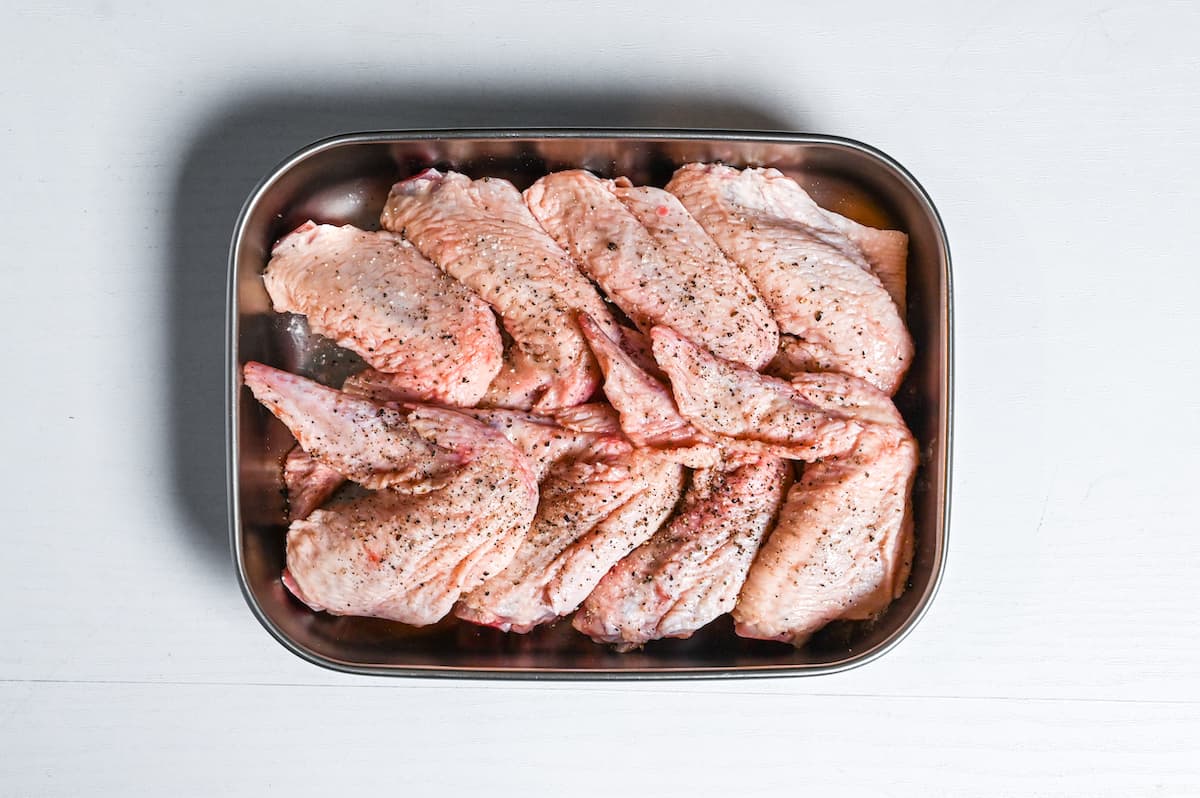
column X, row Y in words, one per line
column 1061, row 142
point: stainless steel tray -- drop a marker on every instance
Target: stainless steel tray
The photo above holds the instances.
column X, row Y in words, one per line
column 346, row 179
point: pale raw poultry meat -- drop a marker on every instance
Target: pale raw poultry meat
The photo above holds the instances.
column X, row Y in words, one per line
column 690, row 572
column 309, row 484
column 405, row 555
column 816, row 280
column 842, row 549
column 725, row 273
column 886, row 252
column 366, row 442
column 647, row 411
column 590, row 432
column 481, row 233
column 592, row 513
column 636, row 344
column 759, row 412
column 426, row 335
column 655, row 262
column 598, row 418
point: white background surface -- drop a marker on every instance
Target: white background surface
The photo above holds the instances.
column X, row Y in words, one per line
column 1061, row 142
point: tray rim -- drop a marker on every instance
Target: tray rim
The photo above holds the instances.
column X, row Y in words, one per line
column 233, row 387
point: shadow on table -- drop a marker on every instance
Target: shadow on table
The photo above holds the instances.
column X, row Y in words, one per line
column 244, row 140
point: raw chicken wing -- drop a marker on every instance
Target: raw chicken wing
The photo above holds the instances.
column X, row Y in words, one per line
column 481, row 233
column 591, row 433
column 655, row 262
column 426, row 335
column 309, row 484
column 647, row 410
column 813, row 276
column 369, row 443
column 842, row 549
column 591, row 515
column 405, row 555
column 690, row 572
column 761, row 413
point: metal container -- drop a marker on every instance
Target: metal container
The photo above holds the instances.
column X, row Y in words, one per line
column 346, row 179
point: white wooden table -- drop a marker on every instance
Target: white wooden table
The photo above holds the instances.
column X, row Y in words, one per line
column 1061, row 142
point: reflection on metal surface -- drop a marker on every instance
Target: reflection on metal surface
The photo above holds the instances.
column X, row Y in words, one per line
column 345, row 180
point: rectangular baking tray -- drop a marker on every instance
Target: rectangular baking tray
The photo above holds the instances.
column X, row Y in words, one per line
column 345, row 180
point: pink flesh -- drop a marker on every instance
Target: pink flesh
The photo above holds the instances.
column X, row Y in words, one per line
column 309, row 484
column 597, row 417
column 647, row 410
column 761, row 413
column 290, row 583
column 796, row 356
column 545, row 442
column 371, row 444
column 481, row 233
column 408, row 557
column 690, row 572
column 842, row 549
column 591, row 515
column 374, row 293
column 813, row 276
column 637, row 346
column 655, row 262
column 886, row 252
